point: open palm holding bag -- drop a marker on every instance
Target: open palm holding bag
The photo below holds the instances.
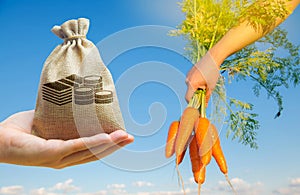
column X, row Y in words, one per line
column 77, row 96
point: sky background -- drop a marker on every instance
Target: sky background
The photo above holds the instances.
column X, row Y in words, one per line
column 133, row 42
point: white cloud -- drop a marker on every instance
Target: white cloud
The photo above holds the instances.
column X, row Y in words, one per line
column 60, row 188
column 116, row 189
column 188, row 191
column 66, row 186
column 191, row 180
column 222, row 188
column 142, row 184
column 293, row 188
column 295, row 182
column 116, row 186
column 11, row 190
column 241, row 187
column 101, row 192
column 162, row 193
column 42, row 191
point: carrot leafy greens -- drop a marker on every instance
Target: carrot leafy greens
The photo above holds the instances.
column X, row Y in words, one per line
column 207, row 21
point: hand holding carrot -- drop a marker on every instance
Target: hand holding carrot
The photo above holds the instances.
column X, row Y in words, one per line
column 204, row 75
column 204, row 144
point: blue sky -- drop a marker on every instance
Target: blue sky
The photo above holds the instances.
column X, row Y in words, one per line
column 132, row 38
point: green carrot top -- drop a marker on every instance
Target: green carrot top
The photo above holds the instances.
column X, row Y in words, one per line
column 198, row 101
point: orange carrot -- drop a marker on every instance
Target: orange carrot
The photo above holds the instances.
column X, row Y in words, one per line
column 180, row 157
column 170, row 145
column 197, row 166
column 217, row 150
column 204, row 140
column 219, row 156
column 178, row 161
column 186, row 125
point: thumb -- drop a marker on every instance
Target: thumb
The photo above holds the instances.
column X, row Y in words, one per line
column 189, row 93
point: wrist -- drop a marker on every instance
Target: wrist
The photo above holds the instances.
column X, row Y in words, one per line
column 209, row 70
column 218, row 54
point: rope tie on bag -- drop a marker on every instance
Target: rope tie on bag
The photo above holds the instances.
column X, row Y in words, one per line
column 75, row 37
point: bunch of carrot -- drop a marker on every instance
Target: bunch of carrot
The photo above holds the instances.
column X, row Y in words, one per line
column 194, row 131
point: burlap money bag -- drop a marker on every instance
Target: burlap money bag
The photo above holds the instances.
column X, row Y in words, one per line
column 76, row 95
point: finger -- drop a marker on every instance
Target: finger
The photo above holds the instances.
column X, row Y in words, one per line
column 97, row 150
column 80, row 155
column 189, row 93
column 194, row 81
column 114, row 148
column 119, row 134
column 129, row 140
column 102, row 154
column 80, row 144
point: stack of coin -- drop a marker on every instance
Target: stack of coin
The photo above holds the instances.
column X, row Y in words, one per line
column 83, row 95
column 57, row 93
column 103, row 97
column 94, row 81
column 72, row 80
column 75, row 79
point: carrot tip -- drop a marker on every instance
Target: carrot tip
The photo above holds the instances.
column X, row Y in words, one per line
column 180, row 178
column 230, row 184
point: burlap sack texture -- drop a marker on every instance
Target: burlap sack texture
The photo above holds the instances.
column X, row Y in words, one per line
column 76, row 95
